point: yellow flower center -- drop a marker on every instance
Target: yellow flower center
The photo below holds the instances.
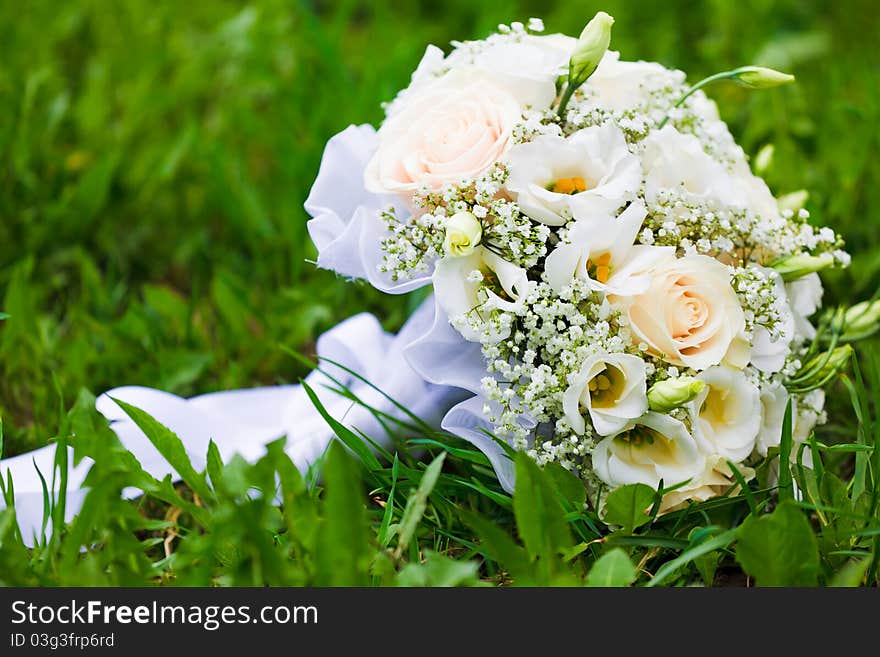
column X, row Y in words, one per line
column 640, row 436
column 600, row 268
column 605, row 387
column 573, row 185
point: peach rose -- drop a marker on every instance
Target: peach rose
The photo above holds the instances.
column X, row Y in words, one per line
column 690, row 314
column 455, row 127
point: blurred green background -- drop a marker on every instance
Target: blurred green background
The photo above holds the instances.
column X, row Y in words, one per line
column 154, row 158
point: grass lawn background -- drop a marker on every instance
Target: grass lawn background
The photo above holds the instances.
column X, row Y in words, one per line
column 154, row 158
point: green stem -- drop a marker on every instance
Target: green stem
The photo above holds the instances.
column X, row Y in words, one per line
column 724, row 75
column 569, row 92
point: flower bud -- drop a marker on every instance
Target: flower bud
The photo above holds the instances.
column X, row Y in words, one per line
column 797, row 266
column 759, row 77
column 463, row 233
column 590, row 48
column 861, row 321
column 764, row 158
column 793, row 201
column 833, row 364
column 667, row 395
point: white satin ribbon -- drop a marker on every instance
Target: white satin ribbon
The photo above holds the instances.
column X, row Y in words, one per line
column 243, row 421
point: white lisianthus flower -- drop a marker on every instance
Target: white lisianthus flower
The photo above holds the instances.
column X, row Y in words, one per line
column 454, row 128
column 807, row 414
column 554, row 178
column 653, row 448
column 466, row 297
column 805, row 298
column 612, row 389
column 600, row 250
column 463, row 233
column 726, row 415
column 774, row 399
column 689, row 314
column 810, row 412
column 716, row 479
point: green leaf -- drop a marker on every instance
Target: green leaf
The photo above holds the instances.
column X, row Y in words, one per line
column 779, row 549
column 346, row 435
column 692, row 554
column 613, row 568
column 568, row 485
column 852, row 573
column 540, row 517
column 628, row 506
column 170, row 446
column 498, row 545
column 342, row 552
column 786, row 486
column 416, row 505
column 215, row 464
column 439, row 570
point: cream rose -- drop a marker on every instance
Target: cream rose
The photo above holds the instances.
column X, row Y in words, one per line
column 452, row 128
column 611, row 388
column 690, row 314
column 653, row 448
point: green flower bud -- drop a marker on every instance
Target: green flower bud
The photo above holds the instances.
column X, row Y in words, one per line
column 667, row 395
column 759, row 77
column 810, row 377
column 463, row 233
column 590, row 48
column 861, row 321
column 797, row 266
column 793, row 201
column 764, row 158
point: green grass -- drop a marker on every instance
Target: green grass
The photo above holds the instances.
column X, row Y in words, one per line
column 154, row 157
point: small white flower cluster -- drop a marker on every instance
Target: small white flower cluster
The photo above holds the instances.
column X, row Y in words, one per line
column 607, row 245
column 412, row 246
column 761, row 302
column 550, row 336
column 696, row 225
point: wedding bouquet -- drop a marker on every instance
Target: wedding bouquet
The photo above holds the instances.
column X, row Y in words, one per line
column 613, row 285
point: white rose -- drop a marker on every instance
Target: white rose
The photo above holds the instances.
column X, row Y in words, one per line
column 621, row 85
column 599, row 249
column 468, row 298
column 652, row 448
column 716, row 479
column 676, row 161
column 726, row 415
column 805, row 297
column 612, row 389
column 527, row 66
column 555, row 178
column 690, row 314
column 453, row 128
